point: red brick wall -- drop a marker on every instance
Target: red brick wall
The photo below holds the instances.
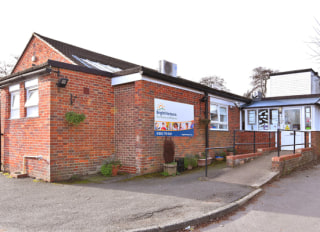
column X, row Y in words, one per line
column 125, row 126
column 79, row 150
column 248, row 137
column 315, row 142
column 149, row 147
column 26, row 136
column 66, row 150
column 137, row 147
column 41, row 51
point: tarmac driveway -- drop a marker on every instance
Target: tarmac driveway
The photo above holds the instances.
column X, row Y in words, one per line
column 110, row 206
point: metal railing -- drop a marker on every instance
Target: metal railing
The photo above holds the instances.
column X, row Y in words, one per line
column 253, row 143
column 294, row 140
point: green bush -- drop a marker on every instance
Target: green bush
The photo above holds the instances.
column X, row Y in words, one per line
column 106, row 169
column 190, row 160
column 74, row 118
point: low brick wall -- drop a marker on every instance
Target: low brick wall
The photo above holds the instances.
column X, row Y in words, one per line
column 287, row 163
column 233, row 161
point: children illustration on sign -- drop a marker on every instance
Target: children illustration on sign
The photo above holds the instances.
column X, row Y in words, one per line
column 173, row 126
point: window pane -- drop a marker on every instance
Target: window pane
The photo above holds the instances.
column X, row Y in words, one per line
column 214, row 125
column 33, row 111
column 292, row 119
column 274, row 115
column 223, row 111
column 263, row 119
column 308, row 117
column 15, row 101
column 251, row 117
column 223, row 114
column 32, row 98
column 223, row 126
column 15, row 105
column 214, row 112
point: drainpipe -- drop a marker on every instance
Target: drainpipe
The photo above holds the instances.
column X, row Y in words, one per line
column 206, row 109
column 206, row 117
column 205, row 100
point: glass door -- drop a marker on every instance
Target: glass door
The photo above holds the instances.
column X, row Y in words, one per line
column 292, row 121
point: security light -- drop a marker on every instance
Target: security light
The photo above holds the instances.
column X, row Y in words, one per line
column 62, row 82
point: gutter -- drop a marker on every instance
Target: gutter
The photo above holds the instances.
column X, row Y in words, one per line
column 20, row 77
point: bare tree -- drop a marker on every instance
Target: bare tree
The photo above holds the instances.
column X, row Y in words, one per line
column 214, row 82
column 314, row 44
column 259, row 80
column 7, row 66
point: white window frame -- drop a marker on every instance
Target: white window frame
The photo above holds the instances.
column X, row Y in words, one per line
column 255, row 126
column 32, row 104
column 218, row 122
column 14, row 92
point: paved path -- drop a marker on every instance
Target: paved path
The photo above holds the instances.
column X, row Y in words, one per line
column 291, row 204
column 252, row 174
column 121, row 206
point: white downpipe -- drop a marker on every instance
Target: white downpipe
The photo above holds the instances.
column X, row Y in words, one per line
column 29, row 156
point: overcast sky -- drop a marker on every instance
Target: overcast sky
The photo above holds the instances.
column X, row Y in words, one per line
column 223, row 38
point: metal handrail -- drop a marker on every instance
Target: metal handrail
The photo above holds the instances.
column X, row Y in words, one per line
column 294, row 140
column 254, row 143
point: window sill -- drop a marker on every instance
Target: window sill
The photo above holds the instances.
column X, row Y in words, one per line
column 219, row 129
column 33, row 117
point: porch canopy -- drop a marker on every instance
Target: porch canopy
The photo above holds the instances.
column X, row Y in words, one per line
column 300, row 100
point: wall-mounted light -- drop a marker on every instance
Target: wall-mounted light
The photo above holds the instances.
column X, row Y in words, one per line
column 62, row 82
column 33, row 58
column 280, row 110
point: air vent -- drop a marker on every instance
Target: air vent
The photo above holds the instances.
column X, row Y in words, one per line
column 168, row 68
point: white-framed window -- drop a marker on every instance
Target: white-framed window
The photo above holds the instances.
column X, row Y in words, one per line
column 262, row 119
column 218, row 117
column 15, row 101
column 32, row 98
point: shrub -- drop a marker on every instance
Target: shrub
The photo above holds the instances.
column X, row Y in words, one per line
column 190, row 160
column 106, row 169
column 74, row 118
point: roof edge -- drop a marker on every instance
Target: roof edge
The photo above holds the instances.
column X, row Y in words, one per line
column 58, row 64
column 193, row 85
column 51, row 46
column 295, row 71
column 73, row 67
column 290, row 97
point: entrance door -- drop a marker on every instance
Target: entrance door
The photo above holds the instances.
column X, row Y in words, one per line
column 292, row 122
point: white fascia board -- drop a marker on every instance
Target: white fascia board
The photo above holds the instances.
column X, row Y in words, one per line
column 126, row 79
column 138, row 77
column 223, row 101
column 145, row 78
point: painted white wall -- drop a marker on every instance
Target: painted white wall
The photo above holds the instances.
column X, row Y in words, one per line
column 289, row 84
column 315, row 118
column 315, row 84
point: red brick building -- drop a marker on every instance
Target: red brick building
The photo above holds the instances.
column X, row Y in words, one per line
column 118, row 99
